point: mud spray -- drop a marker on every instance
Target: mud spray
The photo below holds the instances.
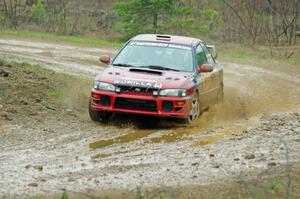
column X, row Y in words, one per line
column 250, row 92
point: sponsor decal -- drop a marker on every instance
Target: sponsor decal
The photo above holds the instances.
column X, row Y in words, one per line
column 138, row 43
column 134, row 83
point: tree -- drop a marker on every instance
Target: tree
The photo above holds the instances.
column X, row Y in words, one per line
column 38, row 13
column 13, row 11
column 139, row 16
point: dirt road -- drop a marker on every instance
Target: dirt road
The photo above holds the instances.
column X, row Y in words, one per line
column 249, row 132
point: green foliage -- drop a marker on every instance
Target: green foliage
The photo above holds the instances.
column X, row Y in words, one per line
column 65, row 196
column 2, row 20
column 186, row 10
column 209, row 21
column 38, row 12
column 183, row 21
column 204, row 30
column 103, row 18
column 274, row 184
column 144, row 16
column 62, row 21
column 139, row 194
column 183, row 26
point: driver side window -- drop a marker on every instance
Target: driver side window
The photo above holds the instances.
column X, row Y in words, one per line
column 200, row 56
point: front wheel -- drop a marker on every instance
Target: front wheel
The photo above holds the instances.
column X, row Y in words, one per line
column 98, row 116
column 195, row 110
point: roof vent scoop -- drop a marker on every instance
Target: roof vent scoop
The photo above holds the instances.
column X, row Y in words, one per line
column 163, row 37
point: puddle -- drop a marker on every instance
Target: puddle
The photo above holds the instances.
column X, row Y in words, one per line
column 182, row 133
column 201, row 128
column 136, row 134
column 168, row 131
column 218, row 134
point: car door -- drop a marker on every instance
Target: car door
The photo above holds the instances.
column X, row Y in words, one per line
column 215, row 76
column 209, row 91
column 205, row 85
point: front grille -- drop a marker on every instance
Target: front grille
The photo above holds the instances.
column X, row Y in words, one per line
column 136, row 104
column 137, row 89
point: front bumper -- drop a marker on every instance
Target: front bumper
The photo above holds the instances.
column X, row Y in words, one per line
column 140, row 103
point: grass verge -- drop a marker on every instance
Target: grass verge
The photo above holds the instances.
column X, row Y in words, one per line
column 31, row 90
column 61, row 38
column 261, row 55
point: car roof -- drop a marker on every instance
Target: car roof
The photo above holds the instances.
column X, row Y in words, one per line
column 174, row 39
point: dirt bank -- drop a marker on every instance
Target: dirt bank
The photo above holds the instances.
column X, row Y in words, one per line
column 48, row 143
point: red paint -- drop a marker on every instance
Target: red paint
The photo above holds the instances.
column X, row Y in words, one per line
column 159, row 100
column 165, row 79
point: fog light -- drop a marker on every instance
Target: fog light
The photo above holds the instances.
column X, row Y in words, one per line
column 95, row 96
column 167, row 106
column 96, row 101
column 180, row 103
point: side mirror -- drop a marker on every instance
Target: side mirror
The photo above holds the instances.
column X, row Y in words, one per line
column 105, row 59
column 213, row 51
column 205, row 68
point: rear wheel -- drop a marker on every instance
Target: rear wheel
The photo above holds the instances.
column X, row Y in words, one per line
column 98, row 116
column 195, row 110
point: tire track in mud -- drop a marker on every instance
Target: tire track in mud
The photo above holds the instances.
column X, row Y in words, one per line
column 130, row 152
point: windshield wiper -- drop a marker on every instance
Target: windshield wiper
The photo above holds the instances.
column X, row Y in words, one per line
column 123, row 65
column 159, row 68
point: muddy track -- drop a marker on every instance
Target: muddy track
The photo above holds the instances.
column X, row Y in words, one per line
column 246, row 133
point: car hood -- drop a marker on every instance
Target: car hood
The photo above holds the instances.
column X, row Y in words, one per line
column 149, row 78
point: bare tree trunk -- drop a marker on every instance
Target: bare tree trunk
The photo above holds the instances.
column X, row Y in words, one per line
column 236, row 12
column 155, row 21
column 5, row 8
column 274, row 22
column 295, row 25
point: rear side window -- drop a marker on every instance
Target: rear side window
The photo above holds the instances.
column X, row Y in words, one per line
column 209, row 57
column 200, row 56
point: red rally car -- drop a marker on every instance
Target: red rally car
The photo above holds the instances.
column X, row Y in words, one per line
column 158, row 75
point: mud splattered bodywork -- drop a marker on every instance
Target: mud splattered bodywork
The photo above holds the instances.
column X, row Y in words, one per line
column 168, row 76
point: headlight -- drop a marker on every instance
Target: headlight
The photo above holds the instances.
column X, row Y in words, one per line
column 104, row 86
column 173, row 92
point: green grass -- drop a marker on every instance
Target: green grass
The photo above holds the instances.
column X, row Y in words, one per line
column 55, row 94
column 61, row 38
column 239, row 55
column 261, row 55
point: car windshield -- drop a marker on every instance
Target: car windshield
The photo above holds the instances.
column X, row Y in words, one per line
column 154, row 55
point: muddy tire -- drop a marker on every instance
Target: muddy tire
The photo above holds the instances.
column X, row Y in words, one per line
column 195, row 110
column 98, row 116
